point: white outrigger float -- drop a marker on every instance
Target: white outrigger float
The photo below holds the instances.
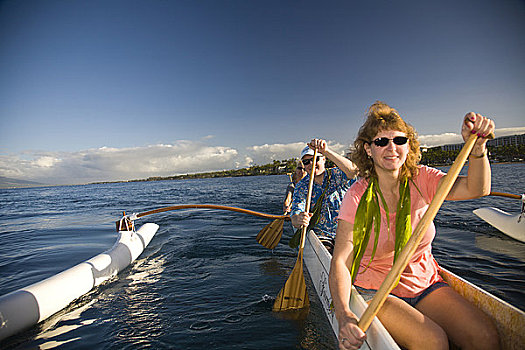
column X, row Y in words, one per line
column 509, row 320
column 511, row 225
column 28, row 306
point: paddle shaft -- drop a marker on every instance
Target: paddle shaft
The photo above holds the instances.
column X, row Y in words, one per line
column 294, row 295
column 412, row 244
column 309, row 197
column 213, row 206
column 508, row 195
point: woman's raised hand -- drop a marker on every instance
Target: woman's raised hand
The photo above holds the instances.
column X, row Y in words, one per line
column 475, row 123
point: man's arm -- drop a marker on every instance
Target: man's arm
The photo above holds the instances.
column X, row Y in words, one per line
column 343, row 163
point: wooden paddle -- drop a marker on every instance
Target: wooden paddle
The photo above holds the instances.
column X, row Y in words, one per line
column 271, row 234
column 294, row 294
column 412, row 244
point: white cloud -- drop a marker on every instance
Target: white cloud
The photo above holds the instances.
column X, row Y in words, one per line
column 438, row 140
column 110, row 164
column 46, row 161
column 181, row 157
column 509, row 131
column 265, row 154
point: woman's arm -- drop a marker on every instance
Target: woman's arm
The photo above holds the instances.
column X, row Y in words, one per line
column 478, row 180
column 340, row 283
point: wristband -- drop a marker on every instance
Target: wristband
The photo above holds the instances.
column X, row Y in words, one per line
column 481, row 155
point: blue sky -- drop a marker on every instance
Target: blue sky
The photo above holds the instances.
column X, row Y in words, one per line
column 111, row 90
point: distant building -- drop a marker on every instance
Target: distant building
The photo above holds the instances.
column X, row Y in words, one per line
column 452, row 147
column 507, row 140
column 498, row 141
column 349, row 151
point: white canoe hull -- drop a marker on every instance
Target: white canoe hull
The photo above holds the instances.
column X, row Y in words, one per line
column 503, row 221
column 28, row 306
column 509, row 320
column 317, row 261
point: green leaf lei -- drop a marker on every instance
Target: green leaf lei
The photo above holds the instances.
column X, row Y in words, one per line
column 368, row 214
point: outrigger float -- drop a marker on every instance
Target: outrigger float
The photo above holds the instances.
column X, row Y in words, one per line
column 25, row 307
column 511, row 225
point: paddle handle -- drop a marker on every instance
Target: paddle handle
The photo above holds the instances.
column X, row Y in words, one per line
column 508, row 195
column 213, row 206
column 412, row 244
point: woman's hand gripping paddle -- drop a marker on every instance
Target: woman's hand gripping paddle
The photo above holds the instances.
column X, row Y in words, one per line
column 409, row 249
column 294, row 294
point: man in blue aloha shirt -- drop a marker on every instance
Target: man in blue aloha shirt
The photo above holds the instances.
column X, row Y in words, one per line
column 333, row 182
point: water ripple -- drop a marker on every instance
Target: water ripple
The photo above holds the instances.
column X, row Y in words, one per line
column 203, row 282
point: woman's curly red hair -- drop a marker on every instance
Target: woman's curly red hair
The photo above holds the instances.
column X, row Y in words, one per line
column 382, row 117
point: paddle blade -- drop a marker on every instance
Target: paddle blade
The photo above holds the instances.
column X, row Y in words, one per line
column 271, row 234
column 293, row 295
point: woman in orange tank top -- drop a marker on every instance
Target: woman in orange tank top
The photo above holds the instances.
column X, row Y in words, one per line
column 376, row 219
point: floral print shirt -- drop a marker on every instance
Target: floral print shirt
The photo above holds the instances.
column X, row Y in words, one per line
column 339, row 184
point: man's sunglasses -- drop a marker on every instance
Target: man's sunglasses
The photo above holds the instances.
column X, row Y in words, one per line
column 383, row 141
column 308, row 161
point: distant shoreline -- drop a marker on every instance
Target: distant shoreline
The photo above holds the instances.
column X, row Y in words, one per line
column 208, row 175
column 212, row 175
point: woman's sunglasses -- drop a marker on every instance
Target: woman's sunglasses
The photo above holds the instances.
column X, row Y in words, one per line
column 383, row 141
column 308, row 161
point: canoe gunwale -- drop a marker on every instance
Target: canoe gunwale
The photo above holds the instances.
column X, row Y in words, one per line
column 317, row 261
column 508, row 319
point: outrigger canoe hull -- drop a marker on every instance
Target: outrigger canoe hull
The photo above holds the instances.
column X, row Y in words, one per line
column 317, row 260
column 28, row 306
column 509, row 320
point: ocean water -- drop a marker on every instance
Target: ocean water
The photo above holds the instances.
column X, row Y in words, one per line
column 204, row 282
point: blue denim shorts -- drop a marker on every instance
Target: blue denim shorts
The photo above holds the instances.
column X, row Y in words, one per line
column 368, row 294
